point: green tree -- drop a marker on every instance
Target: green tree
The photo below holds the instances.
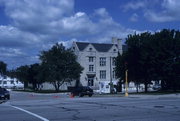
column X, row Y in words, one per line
column 166, row 58
column 28, row 74
column 3, row 68
column 120, row 69
column 59, row 65
column 137, row 65
column 22, row 73
column 154, row 57
column 35, row 76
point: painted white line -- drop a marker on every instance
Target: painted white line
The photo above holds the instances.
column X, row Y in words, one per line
column 33, row 114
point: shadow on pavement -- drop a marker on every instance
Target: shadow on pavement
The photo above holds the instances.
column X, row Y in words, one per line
column 2, row 101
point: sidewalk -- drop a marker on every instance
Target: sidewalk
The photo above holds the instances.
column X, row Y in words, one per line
column 131, row 95
column 160, row 96
column 176, row 95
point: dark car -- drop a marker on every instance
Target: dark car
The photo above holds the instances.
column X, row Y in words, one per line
column 81, row 91
column 4, row 93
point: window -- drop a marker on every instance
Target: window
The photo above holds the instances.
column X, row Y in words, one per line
column 90, row 59
column 90, row 49
column 102, row 74
column 113, row 61
column 4, row 82
column 91, row 68
column 114, row 50
column 102, row 61
column 0, row 82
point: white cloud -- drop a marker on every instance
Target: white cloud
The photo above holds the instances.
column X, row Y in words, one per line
column 135, row 5
column 155, row 10
column 101, row 12
column 134, row 17
column 35, row 15
column 37, row 24
column 12, row 37
column 170, row 12
column 10, row 52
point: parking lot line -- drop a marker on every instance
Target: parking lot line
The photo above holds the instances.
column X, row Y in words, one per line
column 33, row 114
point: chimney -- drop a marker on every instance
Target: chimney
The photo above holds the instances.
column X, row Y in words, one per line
column 117, row 42
column 114, row 40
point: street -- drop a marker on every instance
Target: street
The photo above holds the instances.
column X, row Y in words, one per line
column 60, row 107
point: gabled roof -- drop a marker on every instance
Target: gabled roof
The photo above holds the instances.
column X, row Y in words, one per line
column 82, row 45
column 98, row 46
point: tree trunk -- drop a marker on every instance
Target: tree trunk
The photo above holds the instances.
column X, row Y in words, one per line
column 163, row 85
column 56, row 86
column 119, row 86
column 137, row 87
column 34, row 86
column 146, row 86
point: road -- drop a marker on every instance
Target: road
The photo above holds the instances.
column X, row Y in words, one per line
column 60, row 107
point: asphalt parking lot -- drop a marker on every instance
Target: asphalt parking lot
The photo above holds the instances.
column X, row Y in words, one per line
column 61, row 107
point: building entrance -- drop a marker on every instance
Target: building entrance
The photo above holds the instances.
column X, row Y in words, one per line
column 90, row 80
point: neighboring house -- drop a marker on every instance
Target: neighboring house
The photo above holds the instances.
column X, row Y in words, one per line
column 98, row 61
column 10, row 83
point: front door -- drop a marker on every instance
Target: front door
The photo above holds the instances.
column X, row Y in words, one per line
column 90, row 81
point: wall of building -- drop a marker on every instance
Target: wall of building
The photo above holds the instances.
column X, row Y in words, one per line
column 83, row 59
column 11, row 83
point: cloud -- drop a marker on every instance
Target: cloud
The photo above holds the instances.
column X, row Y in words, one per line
column 134, row 17
column 155, row 11
column 135, row 5
column 35, row 15
column 38, row 24
column 12, row 37
column 170, row 12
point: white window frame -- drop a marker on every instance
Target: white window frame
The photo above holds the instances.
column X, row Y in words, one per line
column 91, row 59
column 102, row 74
column 114, row 61
column 91, row 68
column 102, row 61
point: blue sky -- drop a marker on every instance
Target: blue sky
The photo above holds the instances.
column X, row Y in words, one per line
column 30, row 26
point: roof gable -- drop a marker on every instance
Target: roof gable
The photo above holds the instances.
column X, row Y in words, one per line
column 82, row 45
column 98, row 46
column 102, row 47
column 114, row 48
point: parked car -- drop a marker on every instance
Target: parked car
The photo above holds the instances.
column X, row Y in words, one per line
column 4, row 93
column 81, row 91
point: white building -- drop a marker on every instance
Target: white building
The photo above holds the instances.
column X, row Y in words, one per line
column 10, row 83
column 98, row 61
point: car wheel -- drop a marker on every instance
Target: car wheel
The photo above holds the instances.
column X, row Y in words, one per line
column 81, row 95
column 8, row 97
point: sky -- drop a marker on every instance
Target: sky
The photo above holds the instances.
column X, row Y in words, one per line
column 28, row 27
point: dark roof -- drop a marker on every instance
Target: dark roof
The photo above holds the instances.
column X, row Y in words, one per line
column 82, row 45
column 98, row 46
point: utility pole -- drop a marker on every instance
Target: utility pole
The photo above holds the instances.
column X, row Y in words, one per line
column 126, row 79
column 111, row 83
